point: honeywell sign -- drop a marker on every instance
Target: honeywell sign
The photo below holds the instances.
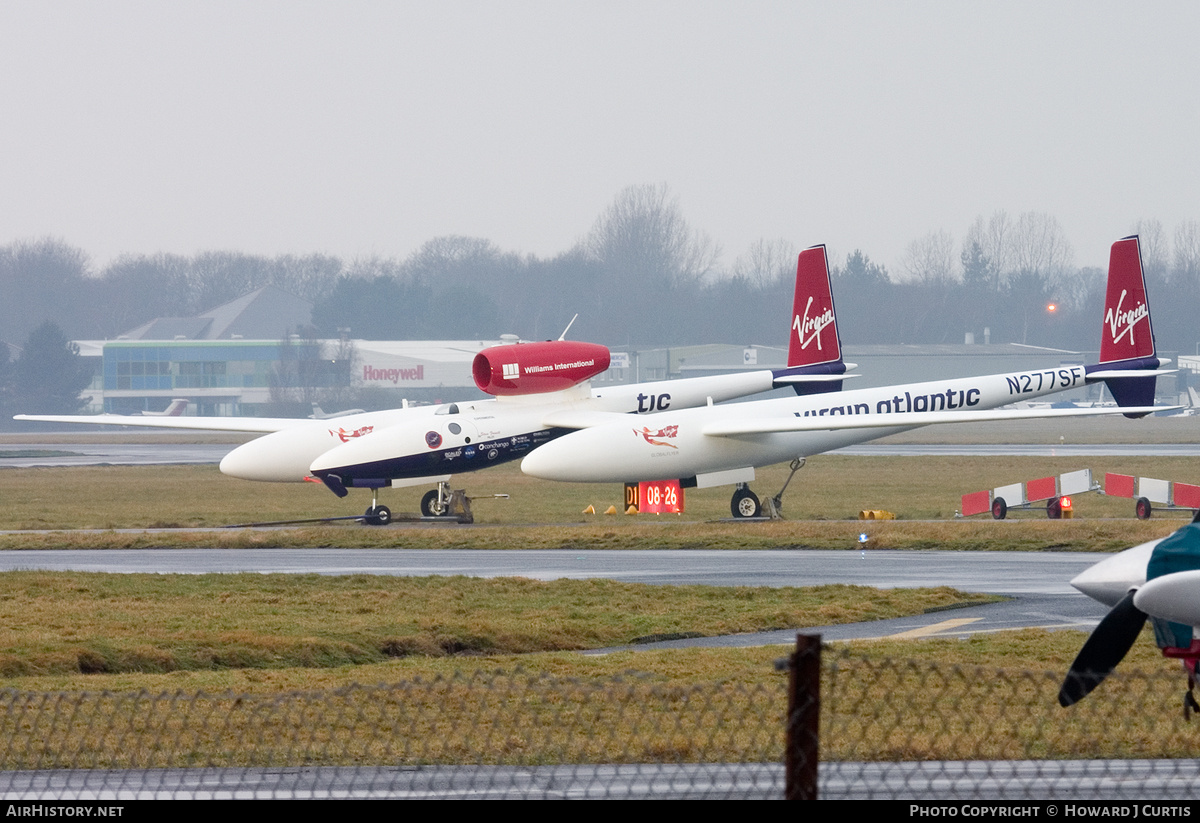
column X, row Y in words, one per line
column 402, row 365
column 373, row 374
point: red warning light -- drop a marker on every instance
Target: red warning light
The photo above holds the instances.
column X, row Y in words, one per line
column 1052, row 307
column 1066, row 503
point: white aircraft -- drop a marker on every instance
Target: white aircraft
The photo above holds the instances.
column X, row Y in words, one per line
column 536, row 403
column 176, row 408
column 722, row 445
column 1159, row 580
column 541, row 391
column 320, row 414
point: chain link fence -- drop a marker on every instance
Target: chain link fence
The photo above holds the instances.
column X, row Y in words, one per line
column 887, row 729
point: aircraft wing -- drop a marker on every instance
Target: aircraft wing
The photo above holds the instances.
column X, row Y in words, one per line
column 581, row 418
column 768, row 425
column 259, row 425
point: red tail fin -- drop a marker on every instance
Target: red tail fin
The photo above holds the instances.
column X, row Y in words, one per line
column 814, row 336
column 1127, row 332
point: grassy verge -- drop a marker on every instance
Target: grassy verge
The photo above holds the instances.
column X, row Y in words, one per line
column 961, row 536
column 68, row 623
column 821, row 505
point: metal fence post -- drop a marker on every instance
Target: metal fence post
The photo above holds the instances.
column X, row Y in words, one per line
column 801, row 751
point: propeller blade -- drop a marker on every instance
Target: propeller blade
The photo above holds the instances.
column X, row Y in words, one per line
column 1107, row 646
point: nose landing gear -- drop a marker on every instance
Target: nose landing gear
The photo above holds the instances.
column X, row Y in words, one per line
column 377, row 515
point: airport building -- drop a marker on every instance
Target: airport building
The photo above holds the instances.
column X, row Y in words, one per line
column 247, row 377
column 244, row 357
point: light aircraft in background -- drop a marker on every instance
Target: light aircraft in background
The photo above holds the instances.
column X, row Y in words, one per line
column 1159, row 580
column 539, row 391
column 175, row 409
column 318, row 414
column 722, row 445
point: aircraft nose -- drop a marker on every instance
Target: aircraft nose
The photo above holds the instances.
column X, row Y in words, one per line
column 545, row 462
column 251, row 461
column 234, row 464
column 281, row 457
column 1110, row 579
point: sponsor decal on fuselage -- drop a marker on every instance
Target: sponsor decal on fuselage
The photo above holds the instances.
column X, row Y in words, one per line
column 953, row 399
column 578, row 364
column 667, row 431
column 346, row 436
column 939, row 401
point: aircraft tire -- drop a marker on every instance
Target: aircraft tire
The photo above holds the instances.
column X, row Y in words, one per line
column 378, row 516
column 429, row 504
column 745, row 504
column 1143, row 509
column 1054, row 508
column 999, row 509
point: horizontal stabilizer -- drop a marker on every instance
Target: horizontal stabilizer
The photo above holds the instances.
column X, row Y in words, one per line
column 771, row 425
column 789, row 379
column 1123, row 374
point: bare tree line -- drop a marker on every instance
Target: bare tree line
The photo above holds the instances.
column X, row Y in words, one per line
column 642, row 275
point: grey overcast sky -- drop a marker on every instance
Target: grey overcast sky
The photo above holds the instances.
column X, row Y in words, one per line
column 357, row 128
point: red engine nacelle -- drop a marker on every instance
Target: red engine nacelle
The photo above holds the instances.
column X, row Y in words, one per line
column 531, row 368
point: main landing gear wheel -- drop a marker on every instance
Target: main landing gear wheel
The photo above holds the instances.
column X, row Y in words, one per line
column 999, row 509
column 378, row 515
column 432, row 504
column 1143, row 509
column 744, row 503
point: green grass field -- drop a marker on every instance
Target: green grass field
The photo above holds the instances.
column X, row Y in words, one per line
column 821, row 507
column 100, row 624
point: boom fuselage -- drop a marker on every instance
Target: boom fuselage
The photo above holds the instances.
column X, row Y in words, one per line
column 676, row 445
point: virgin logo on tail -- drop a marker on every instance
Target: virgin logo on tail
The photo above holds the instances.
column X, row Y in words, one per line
column 1125, row 320
column 811, row 326
column 812, row 313
column 1126, row 307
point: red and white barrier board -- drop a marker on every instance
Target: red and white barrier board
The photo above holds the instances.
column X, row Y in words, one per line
column 1165, row 492
column 1032, row 491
